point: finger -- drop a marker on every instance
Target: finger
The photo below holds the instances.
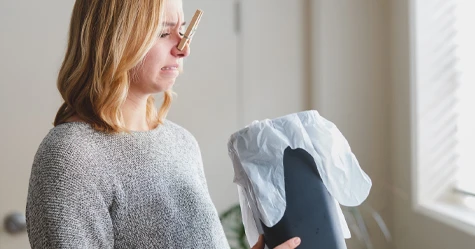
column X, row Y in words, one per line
column 260, row 243
column 289, row 244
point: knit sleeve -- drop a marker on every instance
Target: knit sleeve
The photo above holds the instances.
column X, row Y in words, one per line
column 66, row 205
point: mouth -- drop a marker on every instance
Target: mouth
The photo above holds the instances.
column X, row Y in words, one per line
column 170, row 68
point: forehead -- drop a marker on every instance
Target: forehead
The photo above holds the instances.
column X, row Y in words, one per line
column 174, row 10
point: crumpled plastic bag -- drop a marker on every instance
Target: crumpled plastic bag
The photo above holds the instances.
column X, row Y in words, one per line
column 257, row 155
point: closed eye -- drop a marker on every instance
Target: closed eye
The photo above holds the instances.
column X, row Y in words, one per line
column 163, row 35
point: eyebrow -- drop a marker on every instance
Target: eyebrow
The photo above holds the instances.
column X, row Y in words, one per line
column 173, row 24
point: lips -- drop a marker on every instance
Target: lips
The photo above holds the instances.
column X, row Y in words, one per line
column 170, row 67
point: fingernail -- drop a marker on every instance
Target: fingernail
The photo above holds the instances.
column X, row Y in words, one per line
column 297, row 241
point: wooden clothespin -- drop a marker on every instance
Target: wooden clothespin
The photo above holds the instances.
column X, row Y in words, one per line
column 190, row 31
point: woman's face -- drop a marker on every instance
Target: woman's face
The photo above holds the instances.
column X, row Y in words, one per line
column 164, row 62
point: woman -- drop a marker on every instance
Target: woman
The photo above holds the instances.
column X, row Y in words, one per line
column 113, row 172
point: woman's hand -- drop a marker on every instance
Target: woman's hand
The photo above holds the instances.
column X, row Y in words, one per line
column 289, row 244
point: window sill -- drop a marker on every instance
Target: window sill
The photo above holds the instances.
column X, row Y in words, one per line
column 453, row 209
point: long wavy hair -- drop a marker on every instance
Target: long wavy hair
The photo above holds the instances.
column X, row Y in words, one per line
column 107, row 39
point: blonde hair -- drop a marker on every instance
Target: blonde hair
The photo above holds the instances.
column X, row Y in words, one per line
column 107, row 39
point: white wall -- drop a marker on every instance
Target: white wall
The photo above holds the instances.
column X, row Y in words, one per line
column 411, row 230
column 273, row 54
column 350, row 87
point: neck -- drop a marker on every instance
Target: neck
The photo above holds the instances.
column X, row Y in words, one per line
column 134, row 112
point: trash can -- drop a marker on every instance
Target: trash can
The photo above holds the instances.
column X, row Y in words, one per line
column 293, row 172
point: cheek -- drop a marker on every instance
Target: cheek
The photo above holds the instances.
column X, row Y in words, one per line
column 150, row 70
column 154, row 60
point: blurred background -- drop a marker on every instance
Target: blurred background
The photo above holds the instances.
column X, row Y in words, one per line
column 395, row 76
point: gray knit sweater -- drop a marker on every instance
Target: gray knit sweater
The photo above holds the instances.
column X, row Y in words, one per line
column 146, row 189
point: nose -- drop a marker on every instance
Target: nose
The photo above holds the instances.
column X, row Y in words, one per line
column 181, row 54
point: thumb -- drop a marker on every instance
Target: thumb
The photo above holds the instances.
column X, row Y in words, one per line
column 260, row 243
column 290, row 244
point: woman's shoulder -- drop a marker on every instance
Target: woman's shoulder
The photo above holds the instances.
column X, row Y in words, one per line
column 69, row 158
column 70, row 132
column 70, row 141
column 181, row 137
column 178, row 131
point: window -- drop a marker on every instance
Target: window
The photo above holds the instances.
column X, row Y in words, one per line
column 443, row 50
column 436, row 85
column 465, row 109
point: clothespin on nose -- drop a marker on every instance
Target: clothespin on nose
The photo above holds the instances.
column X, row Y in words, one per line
column 190, row 31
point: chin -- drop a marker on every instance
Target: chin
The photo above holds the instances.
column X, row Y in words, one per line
column 164, row 86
